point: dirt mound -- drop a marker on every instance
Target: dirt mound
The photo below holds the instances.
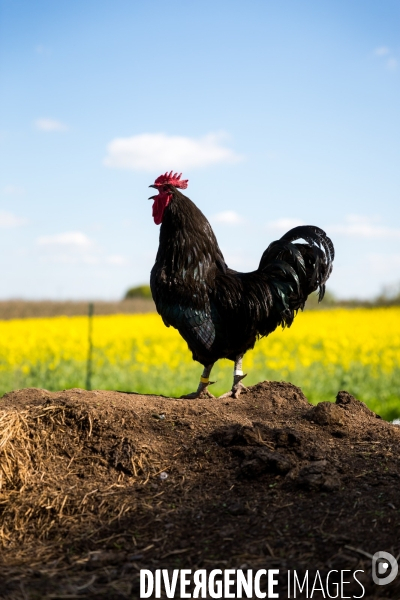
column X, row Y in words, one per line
column 97, row 485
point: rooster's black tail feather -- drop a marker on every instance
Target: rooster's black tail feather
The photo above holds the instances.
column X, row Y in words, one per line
column 295, row 270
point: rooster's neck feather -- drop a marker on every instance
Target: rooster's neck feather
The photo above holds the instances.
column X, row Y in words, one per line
column 188, row 253
column 186, row 238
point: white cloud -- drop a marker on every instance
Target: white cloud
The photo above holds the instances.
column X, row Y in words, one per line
column 117, row 260
column 71, row 247
column 227, row 217
column 71, row 239
column 381, row 51
column 283, row 225
column 50, row 125
column 365, row 227
column 13, row 190
column 71, row 259
column 158, row 151
column 75, row 247
column 391, row 62
column 68, row 249
column 8, row 220
column 384, row 265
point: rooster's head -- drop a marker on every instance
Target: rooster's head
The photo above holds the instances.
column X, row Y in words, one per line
column 164, row 184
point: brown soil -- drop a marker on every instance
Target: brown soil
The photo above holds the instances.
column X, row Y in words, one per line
column 264, row 481
column 25, row 309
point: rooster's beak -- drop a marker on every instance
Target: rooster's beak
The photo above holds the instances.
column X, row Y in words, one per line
column 155, row 187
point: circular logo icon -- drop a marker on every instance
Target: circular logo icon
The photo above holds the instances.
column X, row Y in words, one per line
column 384, row 568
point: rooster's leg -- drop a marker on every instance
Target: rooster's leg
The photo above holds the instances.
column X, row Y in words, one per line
column 237, row 386
column 202, row 391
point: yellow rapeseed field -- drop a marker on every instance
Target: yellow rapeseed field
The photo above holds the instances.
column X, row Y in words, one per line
column 358, row 350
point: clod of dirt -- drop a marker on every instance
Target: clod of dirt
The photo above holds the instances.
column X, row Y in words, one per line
column 318, row 475
column 354, row 406
column 289, row 438
column 261, row 461
column 327, row 414
column 243, row 435
column 265, row 480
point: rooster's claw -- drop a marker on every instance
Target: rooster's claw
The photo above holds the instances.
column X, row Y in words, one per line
column 204, row 394
column 201, row 392
column 237, row 387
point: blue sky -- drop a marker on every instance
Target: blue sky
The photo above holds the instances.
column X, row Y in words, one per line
column 279, row 113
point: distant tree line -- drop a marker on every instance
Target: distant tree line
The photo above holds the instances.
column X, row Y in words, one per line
column 389, row 296
column 140, row 291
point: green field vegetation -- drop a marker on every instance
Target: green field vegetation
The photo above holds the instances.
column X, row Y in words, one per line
column 380, row 393
column 357, row 350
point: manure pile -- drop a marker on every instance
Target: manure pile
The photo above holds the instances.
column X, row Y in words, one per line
column 97, row 485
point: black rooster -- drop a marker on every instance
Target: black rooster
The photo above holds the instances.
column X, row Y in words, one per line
column 220, row 312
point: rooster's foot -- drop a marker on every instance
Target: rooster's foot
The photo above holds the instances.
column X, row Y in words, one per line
column 194, row 395
column 201, row 392
column 237, row 387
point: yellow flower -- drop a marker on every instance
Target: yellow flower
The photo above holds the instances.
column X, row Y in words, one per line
column 336, row 343
column 342, row 337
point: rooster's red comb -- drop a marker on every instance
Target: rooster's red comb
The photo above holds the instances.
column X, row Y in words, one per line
column 174, row 180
